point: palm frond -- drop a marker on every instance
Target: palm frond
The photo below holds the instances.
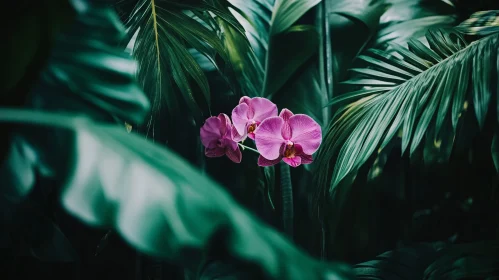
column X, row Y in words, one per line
column 409, row 93
column 406, row 19
column 481, row 23
column 477, row 260
column 166, row 30
column 403, row 263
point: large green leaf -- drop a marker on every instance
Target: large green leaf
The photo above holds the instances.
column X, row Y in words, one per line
column 111, row 178
column 152, row 197
column 274, row 35
column 87, row 73
column 343, row 18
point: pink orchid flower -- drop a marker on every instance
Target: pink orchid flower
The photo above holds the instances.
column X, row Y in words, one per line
column 217, row 139
column 248, row 115
column 288, row 137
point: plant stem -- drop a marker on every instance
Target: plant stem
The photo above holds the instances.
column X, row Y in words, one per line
column 248, row 148
column 287, row 200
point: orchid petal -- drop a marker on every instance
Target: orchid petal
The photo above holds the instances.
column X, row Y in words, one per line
column 262, row 109
column 251, row 136
column 286, row 129
column 293, row 162
column 245, row 99
column 306, row 159
column 229, row 143
column 286, row 114
column 240, row 118
column 306, row 132
column 268, row 137
column 234, row 155
column 236, row 137
column 215, row 152
column 225, row 124
column 265, row 162
column 210, row 132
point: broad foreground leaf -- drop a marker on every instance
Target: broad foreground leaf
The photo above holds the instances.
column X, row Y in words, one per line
column 87, row 73
column 153, row 198
column 111, row 178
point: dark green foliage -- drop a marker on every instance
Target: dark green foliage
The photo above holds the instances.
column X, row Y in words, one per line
column 111, row 178
column 408, row 164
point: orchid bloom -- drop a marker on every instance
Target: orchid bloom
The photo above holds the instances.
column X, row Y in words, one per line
column 248, row 115
column 288, row 137
column 217, row 139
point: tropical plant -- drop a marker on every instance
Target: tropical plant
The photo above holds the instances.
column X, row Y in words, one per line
column 408, row 155
column 416, row 99
column 80, row 102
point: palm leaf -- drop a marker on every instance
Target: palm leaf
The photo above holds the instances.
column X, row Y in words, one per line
column 409, row 94
column 481, row 23
column 477, row 260
column 406, row 19
column 407, row 263
column 165, row 32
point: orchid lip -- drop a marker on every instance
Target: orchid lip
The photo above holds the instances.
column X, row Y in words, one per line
column 290, row 151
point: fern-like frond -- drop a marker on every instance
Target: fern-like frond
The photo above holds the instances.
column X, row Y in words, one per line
column 166, row 30
column 409, row 94
column 480, row 23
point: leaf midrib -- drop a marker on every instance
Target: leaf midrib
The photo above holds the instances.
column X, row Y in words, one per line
column 156, row 35
column 437, row 64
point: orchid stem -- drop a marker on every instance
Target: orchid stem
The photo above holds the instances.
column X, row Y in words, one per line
column 248, row 148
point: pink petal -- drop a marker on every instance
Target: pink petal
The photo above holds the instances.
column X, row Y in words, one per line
column 306, row 159
column 225, row 124
column 240, row 118
column 268, row 137
column 265, row 162
column 234, row 155
column 262, row 108
column 251, row 136
column 286, row 114
column 293, row 162
column 245, row 99
column 306, row 132
column 286, row 129
column 210, row 132
column 235, row 135
column 227, row 142
column 215, row 152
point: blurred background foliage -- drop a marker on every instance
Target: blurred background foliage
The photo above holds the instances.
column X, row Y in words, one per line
column 102, row 101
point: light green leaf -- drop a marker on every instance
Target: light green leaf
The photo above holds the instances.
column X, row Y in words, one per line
column 152, row 197
column 270, row 27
